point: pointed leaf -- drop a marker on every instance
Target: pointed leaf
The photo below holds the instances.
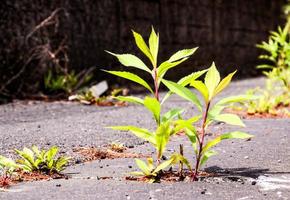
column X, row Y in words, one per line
column 154, row 45
column 165, row 66
column 200, row 86
column 206, row 156
column 185, row 53
column 231, row 119
column 139, row 132
column 184, row 82
column 130, row 60
column 153, row 105
column 130, row 99
column 166, row 164
column 235, row 99
column 212, row 79
column 230, row 135
column 131, row 77
column 162, row 135
column 224, row 83
column 143, row 46
column 182, row 92
column 143, row 167
column 171, row 114
column 51, row 153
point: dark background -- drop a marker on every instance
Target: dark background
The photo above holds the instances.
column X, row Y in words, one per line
column 226, row 32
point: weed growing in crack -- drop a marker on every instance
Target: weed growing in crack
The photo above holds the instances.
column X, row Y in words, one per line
column 171, row 122
column 35, row 160
column 164, row 123
column 211, row 87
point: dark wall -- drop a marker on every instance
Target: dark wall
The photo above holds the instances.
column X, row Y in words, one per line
column 225, row 31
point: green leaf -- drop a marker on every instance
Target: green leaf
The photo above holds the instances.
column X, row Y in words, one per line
column 206, row 156
column 153, row 105
column 179, row 55
column 60, row 163
column 27, row 155
column 212, row 79
column 165, row 66
column 182, row 92
column 235, row 99
column 36, row 151
column 143, row 46
column 143, row 167
column 130, row 60
column 231, row 119
column 51, row 153
column 139, row 132
column 185, row 81
column 230, row 135
column 130, row 99
column 191, row 77
column 171, row 114
column 8, row 163
column 224, row 83
column 162, row 135
column 131, row 77
column 166, row 164
column 154, row 45
column 200, row 86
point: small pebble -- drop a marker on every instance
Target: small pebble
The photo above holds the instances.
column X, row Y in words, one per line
column 246, row 157
column 279, row 161
column 203, row 191
column 254, row 182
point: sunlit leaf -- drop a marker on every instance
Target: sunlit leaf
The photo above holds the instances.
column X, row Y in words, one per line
column 139, row 132
column 231, row 119
column 154, row 45
column 153, row 105
column 200, row 86
column 162, row 135
column 230, row 135
column 182, row 92
column 185, row 53
column 212, row 79
column 143, row 167
column 130, row 60
column 165, row 66
column 171, row 114
column 206, row 156
column 224, row 83
column 130, row 99
column 132, row 77
column 143, row 46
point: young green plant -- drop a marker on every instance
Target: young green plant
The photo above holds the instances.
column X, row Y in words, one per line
column 211, row 87
column 164, row 126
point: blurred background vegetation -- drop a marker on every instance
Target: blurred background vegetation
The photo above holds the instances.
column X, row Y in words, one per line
column 56, row 47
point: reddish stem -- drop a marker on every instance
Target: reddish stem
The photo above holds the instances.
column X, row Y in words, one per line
column 155, row 77
column 198, row 158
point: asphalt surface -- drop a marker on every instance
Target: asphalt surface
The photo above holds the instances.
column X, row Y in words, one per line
column 255, row 169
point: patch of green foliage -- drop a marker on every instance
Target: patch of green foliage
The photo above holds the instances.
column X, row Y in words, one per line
column 35, row 160
column 172, row 122
column 274, row 98
column 65, row 82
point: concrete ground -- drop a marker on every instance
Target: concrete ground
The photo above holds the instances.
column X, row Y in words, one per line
column 255, row 169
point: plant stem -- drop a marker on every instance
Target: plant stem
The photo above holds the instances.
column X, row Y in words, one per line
column 155, row 77
column 181, row 163
column 198, row 158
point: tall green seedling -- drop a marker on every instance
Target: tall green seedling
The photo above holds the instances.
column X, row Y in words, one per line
column 209, row 88
column 164, row 123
